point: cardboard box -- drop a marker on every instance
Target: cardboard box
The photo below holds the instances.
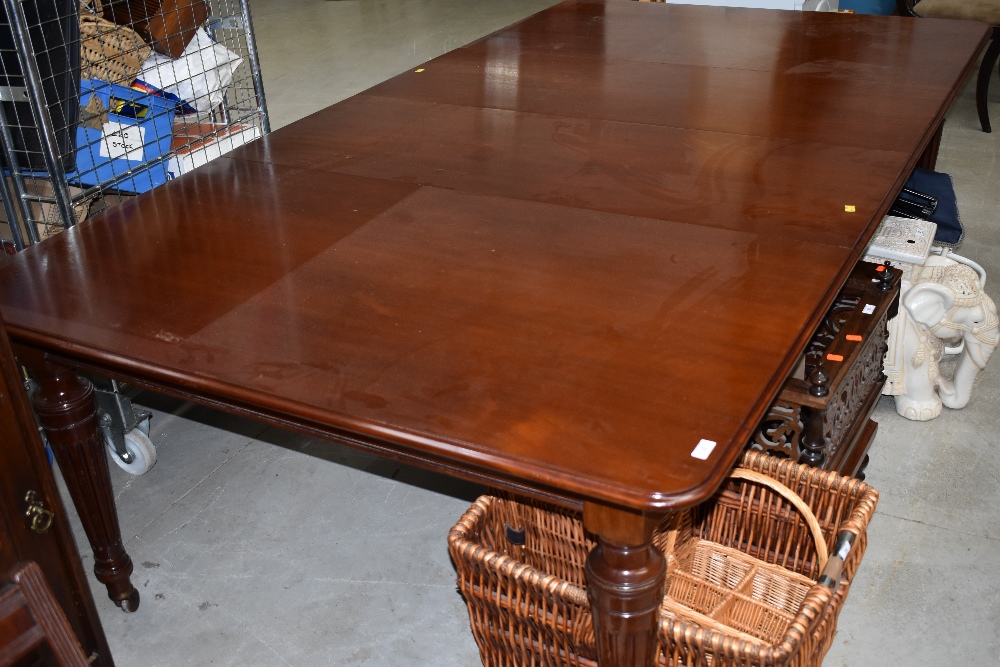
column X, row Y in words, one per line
column 195, row 144
column 109, row 200
column 45, row 214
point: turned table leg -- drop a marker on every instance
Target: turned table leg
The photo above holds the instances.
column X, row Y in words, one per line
column 66, row 410
column 625, row 579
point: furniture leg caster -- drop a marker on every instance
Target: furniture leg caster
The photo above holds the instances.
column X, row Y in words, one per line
column 130, row 602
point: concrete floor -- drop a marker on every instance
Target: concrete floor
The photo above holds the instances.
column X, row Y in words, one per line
column 252, row 548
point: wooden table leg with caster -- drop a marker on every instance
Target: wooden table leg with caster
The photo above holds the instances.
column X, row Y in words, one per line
column 625, row 578
column 65, row 407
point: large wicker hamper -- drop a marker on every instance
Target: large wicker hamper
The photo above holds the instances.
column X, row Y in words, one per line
column 741, row 585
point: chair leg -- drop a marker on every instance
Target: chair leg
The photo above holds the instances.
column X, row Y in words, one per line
column 983, row 85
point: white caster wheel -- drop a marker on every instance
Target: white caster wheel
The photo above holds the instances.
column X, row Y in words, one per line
column 141, row 451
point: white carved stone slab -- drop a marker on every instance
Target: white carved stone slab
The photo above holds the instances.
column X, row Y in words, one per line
column 902, row 239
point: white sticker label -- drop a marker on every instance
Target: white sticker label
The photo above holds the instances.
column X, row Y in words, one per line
column 868, row 309
column 122, row 142
column 703, row 449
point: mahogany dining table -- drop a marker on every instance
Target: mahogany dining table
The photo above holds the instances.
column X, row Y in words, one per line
column 575, row 259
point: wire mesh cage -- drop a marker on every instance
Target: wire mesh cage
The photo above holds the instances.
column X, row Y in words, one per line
column 102, row 100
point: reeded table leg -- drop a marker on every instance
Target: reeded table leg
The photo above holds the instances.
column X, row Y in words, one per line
column 625, row 578
column 66, row 410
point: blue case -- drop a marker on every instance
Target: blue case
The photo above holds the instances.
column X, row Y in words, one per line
column 938, row 185
column 883, row 7
column 141, row 127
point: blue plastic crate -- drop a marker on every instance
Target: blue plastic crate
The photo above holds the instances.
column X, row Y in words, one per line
column 138, row 130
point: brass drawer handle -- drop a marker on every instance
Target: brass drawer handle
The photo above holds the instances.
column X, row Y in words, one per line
column 41, row 518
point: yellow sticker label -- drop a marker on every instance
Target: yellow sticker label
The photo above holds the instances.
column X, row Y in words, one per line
column 127, row 108
column 420, row 70
column 850, row 208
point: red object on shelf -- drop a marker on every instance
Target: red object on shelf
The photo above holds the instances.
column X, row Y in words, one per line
column 167, row 25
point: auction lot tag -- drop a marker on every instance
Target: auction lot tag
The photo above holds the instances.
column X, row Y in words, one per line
column 703, row 449
column 122, row 142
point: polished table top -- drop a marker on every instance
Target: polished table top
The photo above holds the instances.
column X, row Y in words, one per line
column 558, row 257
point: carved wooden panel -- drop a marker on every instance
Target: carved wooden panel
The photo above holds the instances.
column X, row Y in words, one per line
column 778, row 433
column 844, row 411
column 828, row 330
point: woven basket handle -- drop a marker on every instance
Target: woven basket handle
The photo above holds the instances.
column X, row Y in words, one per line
column 792, row 497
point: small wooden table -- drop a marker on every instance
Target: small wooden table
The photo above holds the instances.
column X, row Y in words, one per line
column 555, row 260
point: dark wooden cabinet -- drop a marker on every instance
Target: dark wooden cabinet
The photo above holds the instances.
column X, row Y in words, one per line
column 823, row 414
column 33, row 525
column 33, row 627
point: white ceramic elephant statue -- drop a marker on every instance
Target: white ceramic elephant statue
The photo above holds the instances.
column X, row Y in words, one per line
column 944, row 302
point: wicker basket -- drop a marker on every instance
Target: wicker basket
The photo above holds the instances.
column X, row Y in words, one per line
column 109, row 52
column 741, row 584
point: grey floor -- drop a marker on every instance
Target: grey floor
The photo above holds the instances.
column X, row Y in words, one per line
column 257, row 546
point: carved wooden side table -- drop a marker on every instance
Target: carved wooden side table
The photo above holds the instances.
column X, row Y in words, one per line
column 823, row 414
